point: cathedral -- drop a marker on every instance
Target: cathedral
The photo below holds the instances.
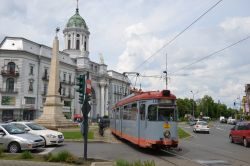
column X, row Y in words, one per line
column 24, row 76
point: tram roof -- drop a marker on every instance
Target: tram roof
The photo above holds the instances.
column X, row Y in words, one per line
column 136, row 96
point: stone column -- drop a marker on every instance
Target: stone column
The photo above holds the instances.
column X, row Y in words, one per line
column 106, row 101
column 102, row 104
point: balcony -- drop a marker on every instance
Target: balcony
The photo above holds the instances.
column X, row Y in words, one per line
column 9, row 73
column 8, row 91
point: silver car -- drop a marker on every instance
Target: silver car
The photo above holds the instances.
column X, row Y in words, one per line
column 14, row 139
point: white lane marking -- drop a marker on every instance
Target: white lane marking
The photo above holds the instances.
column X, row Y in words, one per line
column 212, row 162
column 47, row 150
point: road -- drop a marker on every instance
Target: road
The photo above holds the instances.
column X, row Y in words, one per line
column 201, row 149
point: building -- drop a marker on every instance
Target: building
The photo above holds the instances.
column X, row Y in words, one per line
column 246, row 101
column 25, row 69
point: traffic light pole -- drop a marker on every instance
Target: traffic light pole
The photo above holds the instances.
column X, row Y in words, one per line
column 85, row 116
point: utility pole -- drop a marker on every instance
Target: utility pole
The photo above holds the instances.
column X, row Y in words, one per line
column 193, row 99
column 166, row 71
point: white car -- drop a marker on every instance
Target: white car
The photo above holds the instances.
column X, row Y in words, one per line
column 50, row 137
column 201, row 126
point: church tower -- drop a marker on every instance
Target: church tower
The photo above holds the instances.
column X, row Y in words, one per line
column 76, row 36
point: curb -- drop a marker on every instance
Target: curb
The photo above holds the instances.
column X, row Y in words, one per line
column 91, row 141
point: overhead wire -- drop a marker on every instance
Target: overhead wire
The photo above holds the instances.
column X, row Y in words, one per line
column 212, row 54
column 176, row 36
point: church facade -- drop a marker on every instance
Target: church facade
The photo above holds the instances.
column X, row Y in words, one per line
column 25, row 66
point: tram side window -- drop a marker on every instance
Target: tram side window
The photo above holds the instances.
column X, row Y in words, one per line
column 117, row 115
column 133, row 111
column 152, row 113
column 142, row 111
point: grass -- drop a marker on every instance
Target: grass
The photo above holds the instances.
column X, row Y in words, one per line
column 76, row 135
column 182, row 134
column 135, row 163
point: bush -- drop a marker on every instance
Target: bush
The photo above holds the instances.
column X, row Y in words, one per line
column 134, row 163
column 26, row 155
column 63, row 156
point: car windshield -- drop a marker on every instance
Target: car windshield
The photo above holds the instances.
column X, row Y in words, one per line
column 35, row 126
column 202, row 123
column 11, row 129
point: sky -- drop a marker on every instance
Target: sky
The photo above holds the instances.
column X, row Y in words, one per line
column 128, row 32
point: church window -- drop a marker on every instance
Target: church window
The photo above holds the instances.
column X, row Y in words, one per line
column 63, row 91
column 69, row 42
column 10, row 85
column 78, row 35
column 31, row 69
column 78, row 44
column 45, row 87
column 85, row 46
column 64, row 77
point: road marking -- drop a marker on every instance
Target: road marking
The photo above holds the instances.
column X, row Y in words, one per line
column 219, row 128
column 187, row 127
column 47, row 150
column 212, row 162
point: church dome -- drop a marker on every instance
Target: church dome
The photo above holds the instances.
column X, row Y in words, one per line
column 76, row 21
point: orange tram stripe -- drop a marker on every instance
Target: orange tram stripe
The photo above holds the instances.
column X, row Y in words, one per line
column 143, row 142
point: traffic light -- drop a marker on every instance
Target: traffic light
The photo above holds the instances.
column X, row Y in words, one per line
column 81, row 87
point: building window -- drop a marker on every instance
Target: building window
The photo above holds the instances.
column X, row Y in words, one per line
column 10, row 85
column 64, row 77
column 45, row 87
column 63, row 91
column 85, row 46
column 11, row 67
column 67, row 103
column 31, row 85
column 31, row 70
column 30, row 100
column 70, row 78
column 78, row 44
column 69, row 43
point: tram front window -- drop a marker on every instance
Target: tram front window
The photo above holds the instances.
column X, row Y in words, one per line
column 161, row 114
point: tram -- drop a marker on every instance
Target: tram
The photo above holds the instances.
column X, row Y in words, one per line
column 147, row 119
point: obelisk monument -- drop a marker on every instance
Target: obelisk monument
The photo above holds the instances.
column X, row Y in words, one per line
column 52, row 116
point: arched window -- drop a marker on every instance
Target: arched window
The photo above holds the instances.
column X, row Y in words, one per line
column 11, row 67
column 77, row 44
column 85, row 46
column 10, row 85
column 69, row 43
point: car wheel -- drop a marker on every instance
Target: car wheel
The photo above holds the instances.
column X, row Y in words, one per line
column 14, row 147
column 245, row 143
column 208, row 132
column 231, row 139
column 194, row 130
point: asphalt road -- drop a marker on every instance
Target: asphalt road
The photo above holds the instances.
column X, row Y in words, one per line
column 212, row 149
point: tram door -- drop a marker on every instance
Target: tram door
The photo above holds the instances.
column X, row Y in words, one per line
column 141, row 121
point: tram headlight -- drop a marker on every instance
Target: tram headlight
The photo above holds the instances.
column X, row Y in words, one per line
column 167, row 134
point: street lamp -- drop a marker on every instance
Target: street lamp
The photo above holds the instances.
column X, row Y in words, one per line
column 193, row 100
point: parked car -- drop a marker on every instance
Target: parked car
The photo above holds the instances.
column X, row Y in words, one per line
column 223, row 119
column 240, row 133
column 14, row 139
column 206, row 118
column 192, row 122
column 50, row 137
column 201, row 126
column 232, row 121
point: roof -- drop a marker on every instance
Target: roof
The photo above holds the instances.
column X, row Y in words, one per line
column 144, row 96
column 76, row 21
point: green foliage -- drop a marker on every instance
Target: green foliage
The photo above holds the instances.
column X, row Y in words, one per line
column 63, row 156
column 1, row 151
column 135, row 163
column 77, row 135
column 26, row 155
column 182, row 134
column 205, row 106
